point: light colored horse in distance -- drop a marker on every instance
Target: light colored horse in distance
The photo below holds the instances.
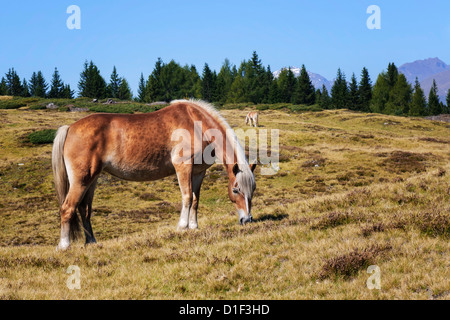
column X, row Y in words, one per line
column 252, row 119
column 140, row 147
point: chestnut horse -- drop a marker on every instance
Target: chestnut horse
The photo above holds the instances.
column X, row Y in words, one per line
column 141, row 147
column 252, row 119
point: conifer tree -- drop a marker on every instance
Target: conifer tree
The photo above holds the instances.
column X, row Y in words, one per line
column 172, row 82
column 124, row 91
column 354, row 98
column 266, row 84
column 25, row 89
column 399, row 97
column 443, row 107
column 339, row 92
column 225, row 79
column 154, row 89
column 380, row 94
column 208, row 85
column 286, row 85
column 324, row 100
column 13, row 83
column 114, row 84
column 392, row 75
column 193, row 83
column 57, row 86
column 237, row 93
column 305, row 91
column 365, row 91
column 141, row 89
column 418, row 105
column 317, row 95
column 255, row 76
column 434, row 107
column 91, row 83
column 3, row 87
column 37, row 85
column 66, row 92
column 274, row 95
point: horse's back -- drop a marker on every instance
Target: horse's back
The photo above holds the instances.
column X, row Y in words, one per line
column 130, row 146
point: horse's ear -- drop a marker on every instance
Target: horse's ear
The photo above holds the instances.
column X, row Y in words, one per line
column 236, row 169
column 253, row 166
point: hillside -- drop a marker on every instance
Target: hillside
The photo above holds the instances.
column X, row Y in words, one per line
column 354, row 190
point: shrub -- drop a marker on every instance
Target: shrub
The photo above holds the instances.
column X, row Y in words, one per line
column 39, row 106
column 433, row 223
column 332, row 220
column 11, row 104
column 350, row 263
column 42, row 137
column 124, row 108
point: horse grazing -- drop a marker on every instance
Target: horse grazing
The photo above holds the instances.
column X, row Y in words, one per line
column 252, row 119
column 145, row 147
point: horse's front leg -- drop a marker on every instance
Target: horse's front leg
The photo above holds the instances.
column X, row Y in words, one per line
column 184, row 174
column 196, row 185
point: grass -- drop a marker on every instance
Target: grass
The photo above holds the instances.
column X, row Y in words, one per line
column 353, row 190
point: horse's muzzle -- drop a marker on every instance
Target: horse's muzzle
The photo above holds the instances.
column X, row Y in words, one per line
column 245, row 220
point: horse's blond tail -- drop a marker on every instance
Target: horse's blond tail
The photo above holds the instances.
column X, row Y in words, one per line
column 59, row 167
column 61, row 178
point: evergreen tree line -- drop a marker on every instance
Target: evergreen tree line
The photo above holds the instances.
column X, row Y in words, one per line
column 37, row 86
column 251, row 82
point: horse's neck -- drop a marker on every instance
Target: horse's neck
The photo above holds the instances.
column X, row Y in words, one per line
column 232, row 151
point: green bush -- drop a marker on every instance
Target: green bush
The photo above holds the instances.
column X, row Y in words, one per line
column 12, row 104
column 38, row 106
column 42, row 137
column 124, row 108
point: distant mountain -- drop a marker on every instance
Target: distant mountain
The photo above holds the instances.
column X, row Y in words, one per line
column 317, row 80
column 427, row 70
column 423, row 69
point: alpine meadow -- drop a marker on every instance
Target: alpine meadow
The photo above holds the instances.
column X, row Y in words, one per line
column 95, row 203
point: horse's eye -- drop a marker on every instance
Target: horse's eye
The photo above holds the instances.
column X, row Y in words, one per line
column 235, row 190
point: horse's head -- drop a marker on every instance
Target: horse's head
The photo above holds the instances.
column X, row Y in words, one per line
column 241, row 191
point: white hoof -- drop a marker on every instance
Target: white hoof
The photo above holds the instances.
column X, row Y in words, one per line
column 62, row 246
column 193, row 226
column 182, row 226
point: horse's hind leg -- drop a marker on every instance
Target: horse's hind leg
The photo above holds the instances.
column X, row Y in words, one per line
column 69, row 219
column 80, row 182
column 85, row 209
column 196, row 184
column 184, row 174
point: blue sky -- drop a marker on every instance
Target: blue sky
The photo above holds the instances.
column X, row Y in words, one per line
column 323, row 35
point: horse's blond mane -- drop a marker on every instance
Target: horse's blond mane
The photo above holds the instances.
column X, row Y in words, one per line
column 209, row 108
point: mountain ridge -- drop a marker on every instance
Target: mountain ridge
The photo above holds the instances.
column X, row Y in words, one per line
column 426, row 70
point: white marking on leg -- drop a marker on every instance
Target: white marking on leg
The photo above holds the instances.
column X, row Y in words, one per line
column 184, row 216
column 64, row 242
